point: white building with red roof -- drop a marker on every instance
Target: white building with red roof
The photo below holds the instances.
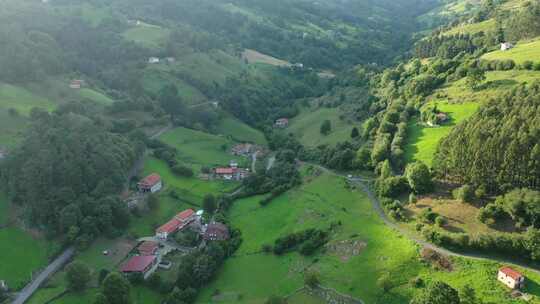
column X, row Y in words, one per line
column 511, row 278
column 152, row 183
column 177, row 223
column 282, row 123
column 140, row 264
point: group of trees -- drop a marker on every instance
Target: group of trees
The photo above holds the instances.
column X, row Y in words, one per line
column 66, row 174
column 306, row 242
column 498, row 147
column 522, row 205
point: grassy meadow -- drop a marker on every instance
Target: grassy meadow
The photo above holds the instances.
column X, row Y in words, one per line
column 147, row 35
column 523, row 51
column 21, row 99
column 239, row 131
column 306, row 127
column 472, row 28
column 251, row 276
column 155, row 77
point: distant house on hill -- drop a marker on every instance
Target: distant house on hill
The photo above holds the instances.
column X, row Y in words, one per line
column 282, row 123
column 216, row 232
column 3, row 286
column 177, row 223
column 3, row 153
column 152, row 183
column 511, row 278
column 153, row 60
column 141, row 264
column 505, row 46
column 170, row 60
column 76, row 84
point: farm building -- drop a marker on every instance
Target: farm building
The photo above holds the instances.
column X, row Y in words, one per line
column 170, row 60
column 511, row 278
column 148, row 248
column 140, row 264
column 505, row 46
column 216, row 232
column 231, row 173
column 76, row 84
column 282, row 123
column 177, row 223
column 152, row 183
column 153, row 60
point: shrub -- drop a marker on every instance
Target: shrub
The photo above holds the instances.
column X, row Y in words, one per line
column 412, row 199
column 527, row 65
column 182, row 171
column 464, row 194
column 440, row 221
column 417, row 282
column 537, row 66
column 384, row 283
column 419, row 177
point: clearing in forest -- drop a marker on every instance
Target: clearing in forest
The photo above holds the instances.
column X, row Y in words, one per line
column 253, row 56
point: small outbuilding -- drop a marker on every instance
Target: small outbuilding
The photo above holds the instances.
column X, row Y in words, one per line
column 282, row 123
column 76, row 84
column 511, row 278
column 144, row 265
column 505, row 46
column 152, row 183
column 153, row 60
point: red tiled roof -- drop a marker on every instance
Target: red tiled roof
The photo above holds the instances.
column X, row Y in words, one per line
column 511, row 273
column 170, row 227
column 184, row 215
column 148, row 248
column 138, row 263
column 151, row 180
column 225, row 170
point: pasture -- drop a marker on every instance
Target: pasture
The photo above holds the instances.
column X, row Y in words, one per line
column 523, row 51
column 239, row 131
column 472, row 28
column 155, row 77
column 21, row 99
column 250, row 276
column 422, row 140
column 11, row 128
column 252, row 57
column 147, row 35
column 306, row 127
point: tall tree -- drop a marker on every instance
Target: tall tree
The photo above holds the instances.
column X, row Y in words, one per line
column 77, row 276
column 116, row 289
column 437, row 293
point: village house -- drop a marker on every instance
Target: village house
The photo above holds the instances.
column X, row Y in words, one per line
column 152, row 183
column 243, row 149
column 231, row 173
column 505, row 46
column 511, row 278
column 148, row 248
column 282, row 123
column 216, row 232
column 177, row 223
column 144, row 265
column 153, row 60
column 76, row 84
column 170, row 60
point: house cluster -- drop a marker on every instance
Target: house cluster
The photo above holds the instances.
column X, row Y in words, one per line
column 76, row 84
column 155, row 60
column 177, row 223
column 145, row 263
column 505, row 46
column 231, row 173
column 246, row 149
column 150, row 184
column 511, row 278
column 281, row 123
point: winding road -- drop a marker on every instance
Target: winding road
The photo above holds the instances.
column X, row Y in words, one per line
column 56, row 265
column 377, row 206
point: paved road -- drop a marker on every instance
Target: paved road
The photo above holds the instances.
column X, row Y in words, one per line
column 53, row 267
column 377, row 206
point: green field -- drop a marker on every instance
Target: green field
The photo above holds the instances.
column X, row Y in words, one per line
column 21, row 99
column 472, row 28
column 95, row 96
column 523, row 51
column 306, row 127
column 239, row 131
column 199, row 149
column 21, row 255
column 156, row 77
column 4, row 209
column 148, row 35
column 423, row 140
column 250, row 276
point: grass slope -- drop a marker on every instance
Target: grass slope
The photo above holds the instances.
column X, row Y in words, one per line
column 21, row 99
column 147, row 35
column 306, row 127
column 472, row 28
column 239, row 131
column 155, row 77
column 524, row 51
column 11, row 128
column 251, row 276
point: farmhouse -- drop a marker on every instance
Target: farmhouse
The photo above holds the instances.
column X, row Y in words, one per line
column 152, row 183
column 231, row 173
column 505, row 46
column 153, row 60
column 511, row 278
column 177, row 223
column 148, row 248
column 140, row 264
column 216, row 232
column 282, row 123
column 76, row 84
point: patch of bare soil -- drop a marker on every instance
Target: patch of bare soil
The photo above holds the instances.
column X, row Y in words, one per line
column 346, row 249
column 437, row 260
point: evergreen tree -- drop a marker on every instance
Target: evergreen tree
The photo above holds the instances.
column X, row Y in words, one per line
column 326, row 127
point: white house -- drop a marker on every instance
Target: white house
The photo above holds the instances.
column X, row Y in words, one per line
column 152, row 183
column 505, row 46
column 511, row 278
column 153, row 60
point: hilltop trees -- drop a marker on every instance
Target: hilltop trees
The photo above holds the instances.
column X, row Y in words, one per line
column 498, row 147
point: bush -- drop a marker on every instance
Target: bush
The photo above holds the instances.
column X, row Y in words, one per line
column 464, row 194
column 412, row 199
column 183, row 171
column 417, row 282
column 537, row 66
column 527, row 65
column 384, row 283
column 419, row 177
column 440, row 221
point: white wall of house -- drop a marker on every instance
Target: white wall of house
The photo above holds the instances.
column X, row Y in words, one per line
column 156, row 187
column 162, row 235
column 509, row 281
